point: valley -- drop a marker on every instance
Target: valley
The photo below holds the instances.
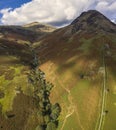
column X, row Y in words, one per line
column 78, row 59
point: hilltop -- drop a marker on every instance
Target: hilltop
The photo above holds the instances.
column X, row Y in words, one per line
column 40, row 27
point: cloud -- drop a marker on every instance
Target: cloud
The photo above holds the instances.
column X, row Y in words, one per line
column 113, row 20
column 55, row 12
column 108, row 8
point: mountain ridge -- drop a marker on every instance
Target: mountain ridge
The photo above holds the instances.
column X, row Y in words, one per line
column 95, row 19
column 40, row 27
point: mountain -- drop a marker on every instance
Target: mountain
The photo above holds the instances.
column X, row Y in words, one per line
column 30, row 32
column 15, row 40
column 40, row 27
column 92, row 21
column 17, row 33
column 78, row 59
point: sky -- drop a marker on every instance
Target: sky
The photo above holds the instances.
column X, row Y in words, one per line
column 55, row 12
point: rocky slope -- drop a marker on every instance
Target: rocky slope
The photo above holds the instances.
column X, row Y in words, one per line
column 93, row 21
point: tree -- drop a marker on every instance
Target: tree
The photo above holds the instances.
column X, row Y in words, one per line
column 39, row 127
column 42, row 88
column 55, row 112
column 51, row 126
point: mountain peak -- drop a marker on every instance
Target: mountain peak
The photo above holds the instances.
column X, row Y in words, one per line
column 93, row 20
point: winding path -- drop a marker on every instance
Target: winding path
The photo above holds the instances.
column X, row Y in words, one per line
column 71, row 108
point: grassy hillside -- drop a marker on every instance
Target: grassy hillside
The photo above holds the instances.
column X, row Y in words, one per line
column 76, row 70
column 78, row 59
column 75, row 66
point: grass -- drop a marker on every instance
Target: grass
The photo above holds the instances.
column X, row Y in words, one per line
column 86, row 45
column 8, row 60
column 72, row 123
column 84, row 92
column 6, row 102
column 70, row 40
column 11, row 79
column 110, row 117
column 86, row 96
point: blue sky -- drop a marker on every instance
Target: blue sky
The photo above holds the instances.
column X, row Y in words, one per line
column 11, row 4
column 54, row 12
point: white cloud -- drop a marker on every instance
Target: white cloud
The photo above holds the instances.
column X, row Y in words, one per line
column 114, row 21
column 54, row 11
column 108, row 8
column 46, row 11
column 102, row 5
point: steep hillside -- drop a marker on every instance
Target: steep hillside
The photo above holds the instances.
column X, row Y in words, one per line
column 17, row 33
column 93, row 21
column 18, row 108
column 27, row 33
column 78, row 59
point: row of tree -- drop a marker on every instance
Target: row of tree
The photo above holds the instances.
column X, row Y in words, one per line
column 47, row 112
